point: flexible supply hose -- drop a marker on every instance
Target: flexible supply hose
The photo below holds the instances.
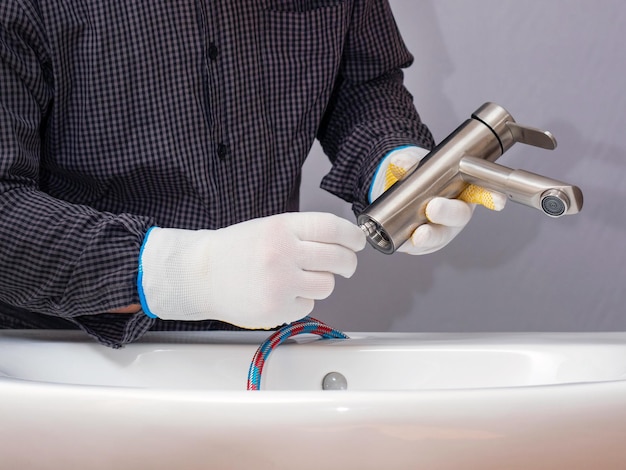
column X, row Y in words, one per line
column 306, row 325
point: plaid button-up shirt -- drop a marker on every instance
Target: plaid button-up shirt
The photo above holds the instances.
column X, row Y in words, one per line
column 119, row 115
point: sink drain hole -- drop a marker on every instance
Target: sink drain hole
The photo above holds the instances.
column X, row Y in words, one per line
column 334, row 381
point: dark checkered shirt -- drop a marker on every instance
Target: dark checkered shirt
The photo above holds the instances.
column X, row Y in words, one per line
column 119, row 115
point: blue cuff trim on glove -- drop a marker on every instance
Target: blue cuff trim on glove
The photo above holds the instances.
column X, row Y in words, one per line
column 142, row 296
column 380, row 168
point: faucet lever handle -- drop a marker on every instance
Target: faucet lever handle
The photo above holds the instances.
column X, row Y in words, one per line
column 531, row 136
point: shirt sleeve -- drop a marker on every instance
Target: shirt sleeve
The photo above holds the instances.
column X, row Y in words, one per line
column 370, row 112
column 58, row 258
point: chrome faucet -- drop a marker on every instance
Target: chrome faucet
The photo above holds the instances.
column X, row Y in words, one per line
column 467, row 156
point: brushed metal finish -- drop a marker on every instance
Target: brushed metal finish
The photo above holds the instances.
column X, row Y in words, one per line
column 466, row 156
column 523, row 187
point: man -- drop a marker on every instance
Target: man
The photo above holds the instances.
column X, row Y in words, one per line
column 151, row 156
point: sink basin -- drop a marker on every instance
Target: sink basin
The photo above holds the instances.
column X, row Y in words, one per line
column 179, row 400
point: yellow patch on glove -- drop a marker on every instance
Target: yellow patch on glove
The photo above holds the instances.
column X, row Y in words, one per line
column 393, row 174
column 476, row 195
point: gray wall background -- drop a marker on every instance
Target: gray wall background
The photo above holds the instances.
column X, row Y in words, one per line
column 556, row 65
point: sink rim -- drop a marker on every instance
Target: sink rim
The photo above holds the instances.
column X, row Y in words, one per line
column 514, row 344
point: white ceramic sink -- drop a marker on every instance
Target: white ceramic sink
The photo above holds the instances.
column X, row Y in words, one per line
column 179, row 400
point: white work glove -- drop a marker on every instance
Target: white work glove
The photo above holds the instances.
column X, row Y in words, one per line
column 256, row 274
column 447, row 217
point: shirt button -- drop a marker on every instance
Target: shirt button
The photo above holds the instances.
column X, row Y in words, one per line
column 222, row 151
column 213, row 51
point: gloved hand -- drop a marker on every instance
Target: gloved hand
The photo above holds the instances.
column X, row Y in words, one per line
column 256, row 274
column 447, row 217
